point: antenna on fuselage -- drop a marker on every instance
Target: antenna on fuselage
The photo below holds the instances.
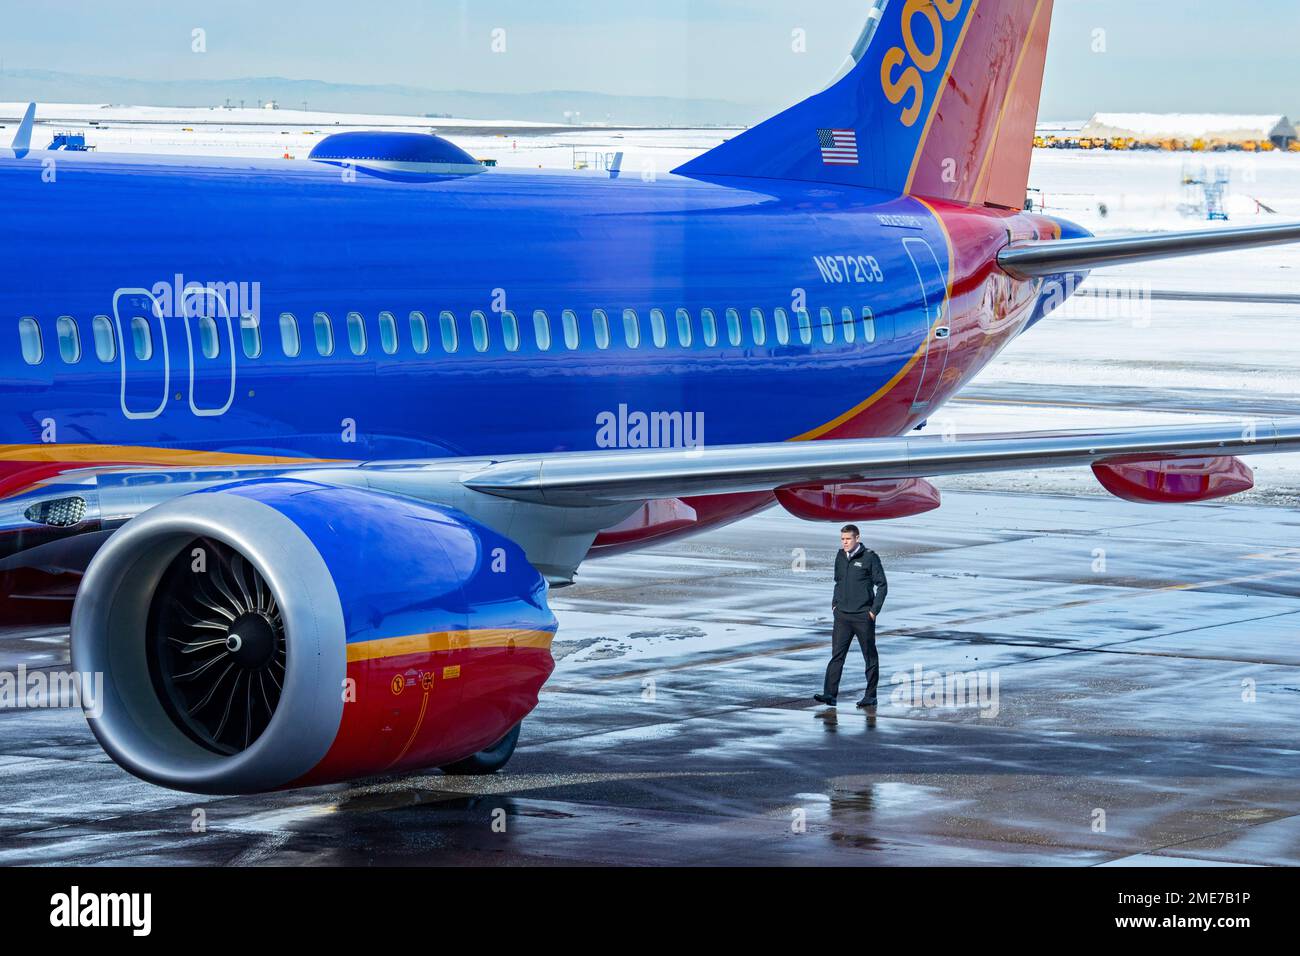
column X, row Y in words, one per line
column 23, row 138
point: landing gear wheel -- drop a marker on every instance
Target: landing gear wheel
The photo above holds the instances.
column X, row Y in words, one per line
column 487, row 761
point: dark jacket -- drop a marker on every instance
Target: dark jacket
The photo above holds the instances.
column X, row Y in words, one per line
column 860, row 585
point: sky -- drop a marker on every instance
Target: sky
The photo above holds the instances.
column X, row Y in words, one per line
column 1157, row 55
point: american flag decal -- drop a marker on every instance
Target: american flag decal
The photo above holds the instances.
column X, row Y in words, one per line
column 839, row 146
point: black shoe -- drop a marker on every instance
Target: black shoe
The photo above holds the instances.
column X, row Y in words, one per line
column 867, row 703
column 823, row 699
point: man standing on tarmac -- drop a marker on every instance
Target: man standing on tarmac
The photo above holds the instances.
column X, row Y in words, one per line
column 860, row 589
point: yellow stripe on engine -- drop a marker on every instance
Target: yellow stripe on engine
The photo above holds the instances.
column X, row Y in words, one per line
column 448, row 641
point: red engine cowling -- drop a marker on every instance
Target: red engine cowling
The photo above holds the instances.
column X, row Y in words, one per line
column 272, row 634
column 1175, row 481
column 860, row 501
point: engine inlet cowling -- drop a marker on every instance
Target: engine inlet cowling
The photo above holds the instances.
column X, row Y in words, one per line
column 279, row 633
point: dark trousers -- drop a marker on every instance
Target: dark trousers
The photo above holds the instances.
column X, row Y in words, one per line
column 846, row 628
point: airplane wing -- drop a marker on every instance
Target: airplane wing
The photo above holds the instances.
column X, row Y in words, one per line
column 589, row 478
column 1027, row 260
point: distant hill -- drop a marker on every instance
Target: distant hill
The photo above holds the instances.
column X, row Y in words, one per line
column 548, row 107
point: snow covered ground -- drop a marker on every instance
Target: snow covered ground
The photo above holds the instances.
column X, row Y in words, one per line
column 1142, row 190
column 276, row 134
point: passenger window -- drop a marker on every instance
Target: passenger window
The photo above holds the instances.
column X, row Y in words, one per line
column 600, row 324
column 733, row 326
column 419, row 333
column 356, row 333
column 388, row 333
column 570, row 322
column 658, row 328
column 478, row 330
column 710, row 323
column 29, row 334
column 101, row 328
column 542, row 329
column 141, row 338
column 632, row 328
column 290, row 341
column 209, row 343
column 868, row 324
column 324, row 330
column 782, row 327
column 805, row 327
column 250, row 327
column 828, row 326
column 684, row 328
column 450, row 340
column 419, row 327
column 848, row 321
column 510, row 331
column 69, row 339
column 759, row 325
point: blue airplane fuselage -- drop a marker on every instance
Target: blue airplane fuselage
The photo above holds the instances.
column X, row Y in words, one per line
column 302, row 238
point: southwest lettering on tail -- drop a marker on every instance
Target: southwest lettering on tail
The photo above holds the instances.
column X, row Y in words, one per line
column 896, row 85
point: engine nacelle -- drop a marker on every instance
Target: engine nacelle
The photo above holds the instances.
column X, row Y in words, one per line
column 280, row 633
column 669, row 518
column 860, row 500
column 1175, row 481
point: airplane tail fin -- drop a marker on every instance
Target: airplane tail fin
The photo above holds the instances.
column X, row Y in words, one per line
column 940, row 99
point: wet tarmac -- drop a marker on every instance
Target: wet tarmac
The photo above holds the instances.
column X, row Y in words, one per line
column 1220, row 404
column 1129, row 693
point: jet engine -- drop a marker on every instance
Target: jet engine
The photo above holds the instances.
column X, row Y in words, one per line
column 278, row 633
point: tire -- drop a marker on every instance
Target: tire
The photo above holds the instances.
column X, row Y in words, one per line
column 487, row 761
